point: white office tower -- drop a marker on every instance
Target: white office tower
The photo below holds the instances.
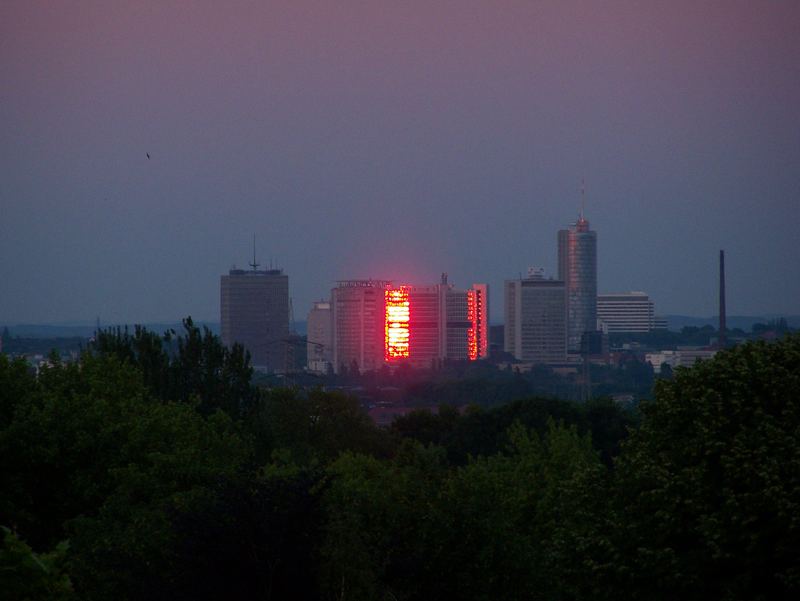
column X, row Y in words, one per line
column 625, row 312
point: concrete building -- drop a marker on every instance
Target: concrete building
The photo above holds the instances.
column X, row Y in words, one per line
column 683, row 357
column 577, row 268
column 319, row 338
column 447, row 323
column 358, row 318
column 254, row 312
column 377, row 323
column 625, row 312
column 536, row 319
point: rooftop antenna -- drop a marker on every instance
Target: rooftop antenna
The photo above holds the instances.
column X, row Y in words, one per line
column 254, row 265
column 583, row 196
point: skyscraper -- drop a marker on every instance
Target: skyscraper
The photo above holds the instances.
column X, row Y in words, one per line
column 447, row 323
column 254, row 311
column 320, row 337
column 535, row 319
column 359, row 324
column 377, row 323
column 577, row 268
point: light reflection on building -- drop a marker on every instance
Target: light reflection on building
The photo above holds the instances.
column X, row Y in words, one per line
column 421, row 326
column 577, row 268
column 397, row 323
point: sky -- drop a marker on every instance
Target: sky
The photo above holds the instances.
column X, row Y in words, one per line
column 393, row 140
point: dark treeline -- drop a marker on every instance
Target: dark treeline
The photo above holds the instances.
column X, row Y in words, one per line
column 485, row 384
column 701, row 336
column 153, row 469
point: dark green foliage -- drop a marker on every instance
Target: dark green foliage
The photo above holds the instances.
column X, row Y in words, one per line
column 462, row 383
column 194, row 365
column 252, row 539
column 124, row 491
column 512, row 526
column 30, row 576
column 484, row 432
column 426, row 427
column 312, row 427
column 709, row 486
column 91, row 457
column 68, row 431
column 17, row 387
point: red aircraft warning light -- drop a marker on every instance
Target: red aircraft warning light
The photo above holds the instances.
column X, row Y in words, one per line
column 397, row 320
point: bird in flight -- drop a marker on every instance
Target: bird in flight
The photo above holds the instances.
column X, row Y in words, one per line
column 148, row 155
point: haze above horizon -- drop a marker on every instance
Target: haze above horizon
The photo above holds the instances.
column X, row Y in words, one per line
column 397, row 141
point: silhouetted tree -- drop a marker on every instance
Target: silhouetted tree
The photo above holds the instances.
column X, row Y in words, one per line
column 707, row 487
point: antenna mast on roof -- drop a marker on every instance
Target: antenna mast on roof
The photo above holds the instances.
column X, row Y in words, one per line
column 254, row 265
column 583, row 196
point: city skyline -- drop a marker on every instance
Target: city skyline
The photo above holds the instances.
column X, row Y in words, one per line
column 143, row 146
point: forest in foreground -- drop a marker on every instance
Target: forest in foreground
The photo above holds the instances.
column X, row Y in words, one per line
column 152, row 468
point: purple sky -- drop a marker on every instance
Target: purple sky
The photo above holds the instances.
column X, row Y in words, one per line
column 393, row 140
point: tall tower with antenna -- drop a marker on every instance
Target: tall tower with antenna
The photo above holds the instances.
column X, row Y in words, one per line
column 254, row 312
column 577, row 268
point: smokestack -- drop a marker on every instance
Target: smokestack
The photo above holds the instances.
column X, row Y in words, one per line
column 721, row 341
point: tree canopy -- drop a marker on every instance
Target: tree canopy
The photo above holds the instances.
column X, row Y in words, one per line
column 152, row 468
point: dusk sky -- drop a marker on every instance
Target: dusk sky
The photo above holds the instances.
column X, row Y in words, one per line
column 393, row 140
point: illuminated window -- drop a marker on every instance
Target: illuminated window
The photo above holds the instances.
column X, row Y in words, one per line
column 472, row 332
column 397, row 318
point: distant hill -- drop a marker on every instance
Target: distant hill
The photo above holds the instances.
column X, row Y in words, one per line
column 674, row 322
column 744, row 322
column 27, row 330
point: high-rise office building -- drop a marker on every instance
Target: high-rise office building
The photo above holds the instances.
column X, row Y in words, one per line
column 625, row 312
column 447, row 323
column 377, row 323
column 319, row 337
column 536, row 319
column 577, row 268
column 254, row 312
column 359, row 324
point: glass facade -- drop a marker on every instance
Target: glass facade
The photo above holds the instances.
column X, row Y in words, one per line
column 577, row 267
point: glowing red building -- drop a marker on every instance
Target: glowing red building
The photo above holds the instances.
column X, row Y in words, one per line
column 377, row 323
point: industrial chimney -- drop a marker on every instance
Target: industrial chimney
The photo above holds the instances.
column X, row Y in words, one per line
column 721, row 341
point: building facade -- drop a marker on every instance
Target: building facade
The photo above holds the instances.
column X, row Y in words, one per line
column 376, row 323
column 254, row 312
column 358, row 317
column 625, row 312
column 577, row 268
column 683, row 357
column 447, row 324
column 536, row 319
column 319, row 337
